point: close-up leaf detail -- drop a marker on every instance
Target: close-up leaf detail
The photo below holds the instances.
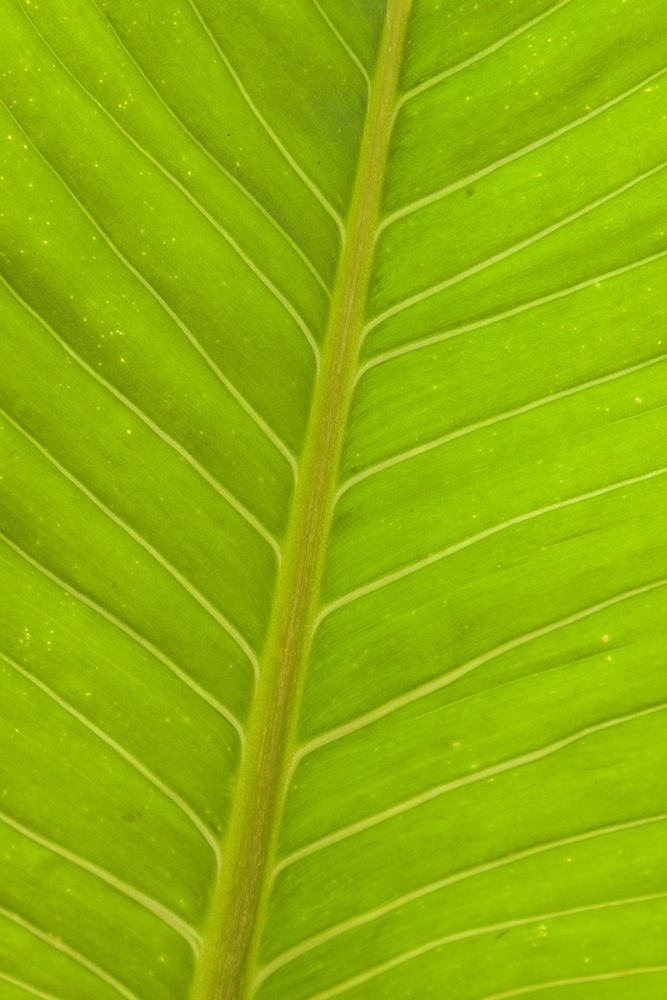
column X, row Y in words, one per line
column 333, row 447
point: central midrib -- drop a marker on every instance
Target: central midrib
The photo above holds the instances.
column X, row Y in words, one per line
column 231, row 938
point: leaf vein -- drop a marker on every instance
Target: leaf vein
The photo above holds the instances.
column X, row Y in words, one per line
column 437, row 338
column 505, row 925
column 169, row 793
column 435, row 557
column 599, row 977
column 142, row 899
column 31, row 990
column 444, row 680
column 344, row 44
column 497, row 258
column 59, row 945
column 361, row 919
column 229, row 239
column 441, row 193
column 511, row 764
column 278, row 143
column 421, row 449
column 433, row 81
column 182, row 452
column 218, row 617
column 131, row 633
column 253, row 199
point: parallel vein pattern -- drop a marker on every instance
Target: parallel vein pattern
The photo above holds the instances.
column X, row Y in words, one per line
column 486, row 669
column 148, row 462
column 332, row 483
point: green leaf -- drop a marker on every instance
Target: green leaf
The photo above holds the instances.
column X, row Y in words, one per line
column 333, row 500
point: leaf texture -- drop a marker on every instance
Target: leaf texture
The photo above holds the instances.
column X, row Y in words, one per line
column 333, row 500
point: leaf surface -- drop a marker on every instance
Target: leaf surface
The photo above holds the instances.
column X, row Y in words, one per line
column 333, row 500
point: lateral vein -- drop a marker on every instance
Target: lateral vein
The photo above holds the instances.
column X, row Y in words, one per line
column 130, row 632
column 444, row 680
column 253, row 199
column 504, row 925
column 59, row 945
column 169, row 793
column 149, row 903
column 436, row 557
column 270, row 132
column 196, row 204
column 368, row 916
column 479, row 324
column 436, row 196
column 483, row 265
column 535, row 404
column 500, row 43
column 513, row 763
